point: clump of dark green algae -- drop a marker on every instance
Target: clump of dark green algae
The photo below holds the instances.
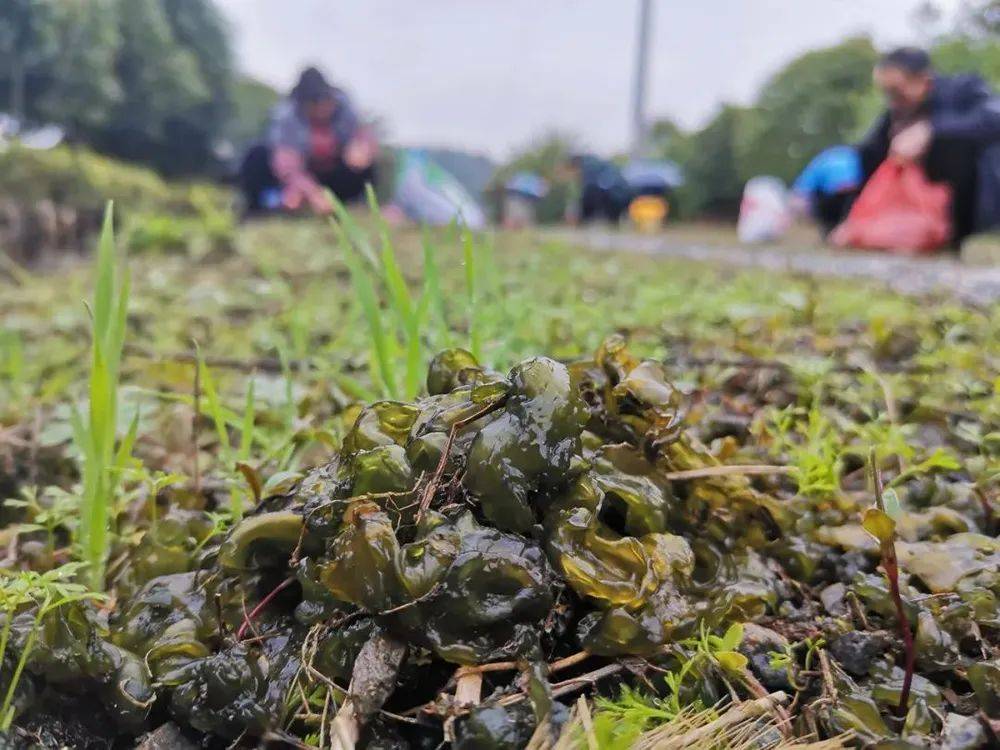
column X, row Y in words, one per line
column 529, row 523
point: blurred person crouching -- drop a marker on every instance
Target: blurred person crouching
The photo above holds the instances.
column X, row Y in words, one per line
column 604, row 194
column 948, row 124
column 315, row 142
column 827, row 187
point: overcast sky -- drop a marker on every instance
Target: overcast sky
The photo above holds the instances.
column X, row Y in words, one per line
column 491, row 74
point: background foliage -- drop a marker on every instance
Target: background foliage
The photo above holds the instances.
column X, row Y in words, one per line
column 819, row 99
column 151, row 81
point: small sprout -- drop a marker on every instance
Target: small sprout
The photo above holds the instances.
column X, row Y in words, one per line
column 48, row 592
column 890, row 501
column 939, row 461
column 785, row 660
column 731, row 661
column 221, row 522
column 813, row 647
column 813, row 449
column 721, row 649
column 155, row 482
column 880, row 525
column 253, row 479
column 878, row 521
column 51, row 509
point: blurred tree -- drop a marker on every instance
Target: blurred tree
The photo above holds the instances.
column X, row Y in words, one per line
column 252, row 103
column 192, row 133
column 974, row 45
column 159, row 79
column 145, row 80
column 811, row 103
column 713, row 177
column 27, row 43
column 667, row 140
column 961, row 54
column 163, row 93
column 980, row 17
column 81, row 88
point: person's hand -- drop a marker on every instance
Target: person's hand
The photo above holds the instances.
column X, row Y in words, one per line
column 799, row 205
column 359, row 153
column 291, row 198
column 313, row 195
column 320, row 202
column 911, row 143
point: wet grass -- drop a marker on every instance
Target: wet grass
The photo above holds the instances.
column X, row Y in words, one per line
column 96, row 434
column 303, row 320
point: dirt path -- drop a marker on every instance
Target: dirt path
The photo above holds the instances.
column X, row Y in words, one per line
column 943, row 274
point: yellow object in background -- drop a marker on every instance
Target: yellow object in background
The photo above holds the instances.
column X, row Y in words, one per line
column 647, row 212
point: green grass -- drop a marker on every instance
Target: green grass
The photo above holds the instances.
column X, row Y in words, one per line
column 382, row 347
column 221, row 421
column 409, row 316
column 396, row 321
column 305, row 319
column 47, row 592
column 471, row 291
column 96, row 435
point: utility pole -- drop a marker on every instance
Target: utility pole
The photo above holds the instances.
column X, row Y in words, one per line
column 639, row 83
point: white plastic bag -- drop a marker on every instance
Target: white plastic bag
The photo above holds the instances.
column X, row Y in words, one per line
column 764, row 215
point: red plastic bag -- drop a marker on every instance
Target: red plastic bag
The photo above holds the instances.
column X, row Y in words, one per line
column 898, row 210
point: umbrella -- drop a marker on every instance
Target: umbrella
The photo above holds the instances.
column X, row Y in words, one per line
column 528, row 184
column 653, row 174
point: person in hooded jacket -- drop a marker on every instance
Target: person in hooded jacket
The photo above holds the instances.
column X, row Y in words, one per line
column 316, row 142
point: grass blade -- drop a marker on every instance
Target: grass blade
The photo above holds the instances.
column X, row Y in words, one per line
column 215, row 408
column 286, row 373
column 246, row 430
column 399, row 293
column 124, row 453
column 382, row 353
column 353, row 234
column 415, row 367
column 408, row 316
column 96, row 511
column 96, row 438
column 353, row 388
column 104, row 287
column 469, row 255
column 220, row 420
column 432, row 297
column 115, row 341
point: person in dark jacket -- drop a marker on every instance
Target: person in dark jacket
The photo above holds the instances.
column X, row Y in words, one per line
column 604, row 192
column 315, row 142
column 949, row 124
